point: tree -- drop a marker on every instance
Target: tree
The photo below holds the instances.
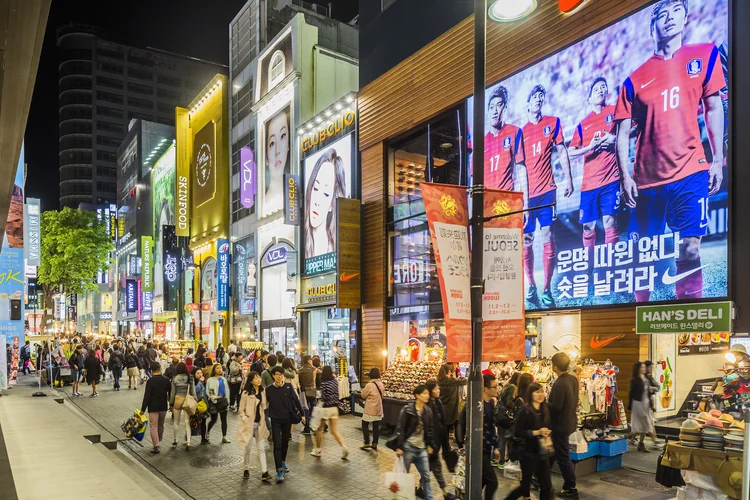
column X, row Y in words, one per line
column 75, row 247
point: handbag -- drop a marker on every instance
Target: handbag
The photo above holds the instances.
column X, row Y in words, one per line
column 546, row 449
column 201, row 407
column 295, row 416
column 221, row 404
column 190, row 405
column 399, row 483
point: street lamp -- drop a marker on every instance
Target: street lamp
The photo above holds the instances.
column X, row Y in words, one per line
column 505, row 10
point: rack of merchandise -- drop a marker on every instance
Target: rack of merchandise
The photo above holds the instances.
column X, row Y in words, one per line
column 178, row 348
column 403, row 375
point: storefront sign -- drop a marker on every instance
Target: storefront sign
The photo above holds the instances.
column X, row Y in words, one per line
column 275, row 255
column 113, row 222
column 328, row 177
column 204, row 161
column 244, row 287
column 702, row 343
column 131, row 297
column 410, row 272
column 348, row 241
column 503, row 328
column 249, row 175
column 147, row 302
column 448, row 217
column 171, row 254
column 147, row 253
column 223, row 274
column 291, row 199
column 709, row 317
column 329, row 129
column 182, row 174
column 132, row 265
column 161, row 328
column 32, row 226
column 319, row 289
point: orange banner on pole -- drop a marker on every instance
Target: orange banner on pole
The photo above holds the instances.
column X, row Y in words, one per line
column 503, row 325
column 448, row 218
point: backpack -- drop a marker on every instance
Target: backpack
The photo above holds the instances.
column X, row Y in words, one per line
column 107, row 355
column 235, row 373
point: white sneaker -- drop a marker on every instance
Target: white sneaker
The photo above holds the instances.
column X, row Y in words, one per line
column 344, row 452
column 316, row 452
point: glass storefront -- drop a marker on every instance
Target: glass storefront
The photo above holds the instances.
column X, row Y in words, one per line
column 330, row 335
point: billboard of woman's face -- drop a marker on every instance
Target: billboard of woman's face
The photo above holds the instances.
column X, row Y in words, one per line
column 277, row 159
column 327, row 177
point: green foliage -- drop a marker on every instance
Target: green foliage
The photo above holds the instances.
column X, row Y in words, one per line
column 75, row 246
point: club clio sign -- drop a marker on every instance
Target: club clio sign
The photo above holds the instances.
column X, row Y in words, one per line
column 291, row 199
column 327, row 130
column 248, row 181
column 223, row 274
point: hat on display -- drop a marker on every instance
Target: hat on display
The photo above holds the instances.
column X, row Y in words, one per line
column 737, row 425
column 690, row 425
column 729, row 478
column 715, row 413
column 726, row 419
column 738, row 348
column 713, row 422
column 702, row 417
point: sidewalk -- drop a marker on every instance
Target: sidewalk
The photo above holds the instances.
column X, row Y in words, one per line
column 360, row 477
column 50, row 458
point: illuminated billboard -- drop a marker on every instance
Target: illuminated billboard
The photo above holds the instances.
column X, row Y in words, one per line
column 619, row 144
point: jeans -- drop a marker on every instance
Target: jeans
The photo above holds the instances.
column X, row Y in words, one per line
column 489, row 479
column 308, row 413
column 281, row 430
column 214, row 417
column 116, row 374
column 261, row 446
column 501, row 444
column 234, row 394
column 375, row 432
column 531, row 466
column 156, row 422
column 418, row 457
column 561, row 442
column 437, row 469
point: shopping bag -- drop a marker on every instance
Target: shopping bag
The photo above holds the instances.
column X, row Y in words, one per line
column 512, row 471
column 195, row 425
column 135, row 426
column 201, row 407
column 399, row 484
column 578, row 443
column 109, row 377
column 190, row 405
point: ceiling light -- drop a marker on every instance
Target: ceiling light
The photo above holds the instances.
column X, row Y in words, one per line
column 329, row 113
column 318, row 119
column 350, row 99
column 446, row 145
column 300, row 132
column 511, row 10
column 338, row 106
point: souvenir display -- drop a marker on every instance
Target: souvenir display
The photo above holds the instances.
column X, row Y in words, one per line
column 403, row 375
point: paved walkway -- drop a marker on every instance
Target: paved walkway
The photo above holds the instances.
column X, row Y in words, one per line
column 50, row 458
column 360, row 477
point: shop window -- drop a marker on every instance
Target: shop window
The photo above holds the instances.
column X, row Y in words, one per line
column 328, row 331
column 276, row 69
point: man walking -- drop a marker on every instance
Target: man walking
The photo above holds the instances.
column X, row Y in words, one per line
column 156, row 401
column 563, row 400
column 307, row 384
column 26, row 358
column 282, row 403
column 116, row 362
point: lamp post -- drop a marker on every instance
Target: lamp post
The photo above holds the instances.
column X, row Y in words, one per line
column 500, row 10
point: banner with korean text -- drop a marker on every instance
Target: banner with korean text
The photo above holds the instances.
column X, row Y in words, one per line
column 448, row 217
column 504, row 322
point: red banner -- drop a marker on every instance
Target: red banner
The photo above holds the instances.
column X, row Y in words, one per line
column 503, row 316
column 161, row 328
column 448, row 218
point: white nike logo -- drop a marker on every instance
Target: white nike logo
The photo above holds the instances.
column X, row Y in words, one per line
column 586, row 128
column 670, row 280
column 644, row 85
column 704, row 224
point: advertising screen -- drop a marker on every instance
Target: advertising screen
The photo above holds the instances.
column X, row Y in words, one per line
column 277, row 157
column 327, row 177
column 163, row 192
column 619, row 144
column 244, row 288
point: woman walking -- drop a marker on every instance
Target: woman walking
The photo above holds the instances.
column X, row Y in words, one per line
column 328, row 410
column 641, row 419
column 201, row 397
column 439, row 436
column 532, row 425
column 449, row 393
column 133, row 368
column 218, row 395
column 182, row 385
column 373, row 413
column 253, row 426
column 93, row 368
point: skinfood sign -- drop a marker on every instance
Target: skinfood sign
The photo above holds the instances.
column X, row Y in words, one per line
column 328, row 130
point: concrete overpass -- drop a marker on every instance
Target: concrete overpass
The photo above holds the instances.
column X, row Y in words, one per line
column 22, row 26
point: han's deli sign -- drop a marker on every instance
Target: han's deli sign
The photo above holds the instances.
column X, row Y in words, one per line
column 709, row 317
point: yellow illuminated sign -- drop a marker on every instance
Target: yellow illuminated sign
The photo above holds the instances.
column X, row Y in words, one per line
column 328, row 130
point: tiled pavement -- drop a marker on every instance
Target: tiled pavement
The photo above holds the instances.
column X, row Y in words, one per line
column 360, row 477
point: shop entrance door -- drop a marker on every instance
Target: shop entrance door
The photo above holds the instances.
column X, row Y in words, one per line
column 279, row 335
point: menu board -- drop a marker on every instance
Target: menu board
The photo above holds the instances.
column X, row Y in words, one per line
column 702, row 343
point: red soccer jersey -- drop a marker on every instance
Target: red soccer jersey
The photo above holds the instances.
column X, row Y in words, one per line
column 538, row 141
column 662, row 97
column 502, row 151
column 599, row 168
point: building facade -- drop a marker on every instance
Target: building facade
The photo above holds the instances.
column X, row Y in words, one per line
column 104, row 85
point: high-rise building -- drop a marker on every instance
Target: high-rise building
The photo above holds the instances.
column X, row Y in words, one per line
column 103, row 85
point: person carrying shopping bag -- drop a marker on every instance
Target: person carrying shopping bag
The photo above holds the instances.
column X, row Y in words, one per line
column 182, row 388
column 253, row 427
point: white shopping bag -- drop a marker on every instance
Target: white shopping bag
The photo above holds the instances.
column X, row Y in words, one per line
column 399, row 484
column 512, row 471
column 578, row 443
column 109, row 378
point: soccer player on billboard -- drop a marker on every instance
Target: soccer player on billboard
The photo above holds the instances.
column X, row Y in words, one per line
column 541, row 135
column 672, row 175
column 594, row 139
column 504, row 166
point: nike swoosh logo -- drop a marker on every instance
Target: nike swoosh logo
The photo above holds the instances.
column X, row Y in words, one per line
column 598, row 343
column 670, row 280
column 347, row 277
column 704, row 225
column 644, row 85
column 586, row 128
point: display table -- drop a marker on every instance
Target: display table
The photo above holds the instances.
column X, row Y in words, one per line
column 696, row 459
column 392, row 409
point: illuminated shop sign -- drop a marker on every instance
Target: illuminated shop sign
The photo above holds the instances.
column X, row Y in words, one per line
column 326, row 131
column 223, row 274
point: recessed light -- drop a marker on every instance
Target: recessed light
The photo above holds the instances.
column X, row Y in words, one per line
column 446, row 145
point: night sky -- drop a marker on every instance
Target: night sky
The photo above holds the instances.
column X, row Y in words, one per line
column 197, row 28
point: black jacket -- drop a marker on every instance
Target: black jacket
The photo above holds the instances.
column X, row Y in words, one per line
column 407, row 425
column 156, row 396
column 439, row 432
column 132, row 361
column 637, row 385
column 563, row 401
column 529, row 420
column 116, row 360
column 282, row 401
column 489, row 425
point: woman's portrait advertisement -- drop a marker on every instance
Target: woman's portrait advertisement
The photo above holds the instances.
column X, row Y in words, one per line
column 328, row 175
column 277, row 159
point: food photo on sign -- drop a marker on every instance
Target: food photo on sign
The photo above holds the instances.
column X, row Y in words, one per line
column 328, row 177
column 619, row 142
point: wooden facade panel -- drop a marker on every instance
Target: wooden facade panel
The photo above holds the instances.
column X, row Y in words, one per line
column 440, row 75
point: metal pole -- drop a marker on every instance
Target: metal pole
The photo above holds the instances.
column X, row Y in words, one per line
column 200, row 294
column 746, row 461
column 475, row 406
